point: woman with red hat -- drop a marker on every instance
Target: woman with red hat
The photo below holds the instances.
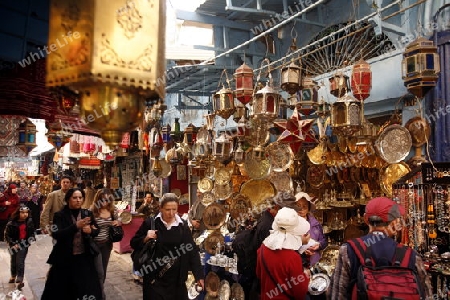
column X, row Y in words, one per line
column 8, row 204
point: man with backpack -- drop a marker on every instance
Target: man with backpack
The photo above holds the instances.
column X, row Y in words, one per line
column 375, row 266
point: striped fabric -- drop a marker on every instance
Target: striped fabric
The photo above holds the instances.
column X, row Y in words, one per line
column 103, row 225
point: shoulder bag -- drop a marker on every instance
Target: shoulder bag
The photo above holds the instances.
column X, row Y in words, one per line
column 115, row 232
column 144, row 255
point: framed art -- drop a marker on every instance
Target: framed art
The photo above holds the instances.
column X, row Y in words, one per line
column 181, row 172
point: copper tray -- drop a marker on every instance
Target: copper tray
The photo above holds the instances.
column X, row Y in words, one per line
column 394, row 143
column 390, row 175
column 257, row 169
column 214, row 216
column 210, row 243
column 205, row 185
column 240, row 206
column 222, row 176
column 282, row 181
column 280, row 156
column 257, row 190
column 420, row 131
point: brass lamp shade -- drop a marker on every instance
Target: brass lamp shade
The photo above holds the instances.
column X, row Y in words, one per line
column 291, row 78
column 266, row 102
column 347, row 115
column 223, row 103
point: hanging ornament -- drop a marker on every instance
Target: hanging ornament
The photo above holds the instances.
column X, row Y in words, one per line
column 361, row 80
column 244, row 84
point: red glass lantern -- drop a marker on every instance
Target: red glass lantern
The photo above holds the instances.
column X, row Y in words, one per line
column 361, row 81
column 244, row 84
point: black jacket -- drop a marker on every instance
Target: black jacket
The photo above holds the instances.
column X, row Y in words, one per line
column 12, row 233
column 64, row 232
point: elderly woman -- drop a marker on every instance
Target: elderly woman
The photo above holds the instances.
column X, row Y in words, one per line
column 305, row 205
column 279, row 265
column 73, row 273
column 175, row 254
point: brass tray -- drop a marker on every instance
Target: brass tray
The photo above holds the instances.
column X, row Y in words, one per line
column 315, row 175
column 394, row 143
column 214, row 216
column 208, row 198
column 240, row 206
column 329, row 258
column 318, row 155
column 420, row 131
column 281, row 181
column 222, row 191
column 166, row 168
column 390, row 175
column 257, row 190
column 210, row 243
column 126, row 217
column 205, row 185
column 222, row 176
column 280, row 156
column 257, row 169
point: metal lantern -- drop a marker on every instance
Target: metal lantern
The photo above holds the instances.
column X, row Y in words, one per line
column 346, row 115
column 157, row 167
column 165, row 130
column 361, row 80
column 175, row 134
column 266, row 103
column 244, row 84
column 241, row 111
column 309, row 96
column 282, row 111
column 241, row 128
column 339, row 84
column 27, row 136
column 222, row 147
column 291, row 78
column 202, row 145
column 190, row 133
column 259, row 153
column 239, row 154
column 223, row 103
column 210, row 119
column 420, row 66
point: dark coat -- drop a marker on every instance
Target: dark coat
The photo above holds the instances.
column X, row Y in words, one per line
column 12, row 233
column 65, row 231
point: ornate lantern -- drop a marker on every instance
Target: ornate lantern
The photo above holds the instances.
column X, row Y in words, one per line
column 223, row 103
column 420, row 66
column 309, row 96
column 266, row 103
column 239, row 154
column 291, row 78
column 57, row 136
column 361, row 80
column 222, row 147
column 244, row 83
column 202, row 146
column 94, row 59
column 210, row 119
column 166, row 130
column 190, row 133
column 175, row 134
column 242, row 130
column 27, row 136
column 241, row 111
column 282, row 112
column 339, row 84
column 346, row 115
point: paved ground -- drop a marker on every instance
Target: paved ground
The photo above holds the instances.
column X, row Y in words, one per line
column 119, row 282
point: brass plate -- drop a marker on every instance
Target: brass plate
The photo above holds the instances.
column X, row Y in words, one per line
column 282, row 181
column 237, row 292
column 257, row 190
column 420, row 131
column 210, row 243
column 222, row 191
column 315, row 175
column 205, row 185
column 126, row 217
column 208, row 198
column 280, row 156
column 212, row 282
column 318, row 155
column 240, row 206
column 329, row 258
column 390, row 175
column 214, row 216
column 222, row 176
column 394, row 143
column 257, row 169
column 166, row 168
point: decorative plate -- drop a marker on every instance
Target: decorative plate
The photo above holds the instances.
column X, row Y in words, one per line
column 280, row 156
column 318, row 154
column 214, row 216
column 222, row 176
column 318, row 284
column 420, row 131
column 257, row 190
column 240, row 206
column 390, row 175
column 212, row 282
column 208, row 198
column 224, row 290
column 282, row 181
column 126, row 217
column 329, row 258
column 210, row 243
column 222, row 192
column 205, row 185
column 394, row 143
column 166, row 168
column 257, row 168
column 237, row 292
column 315, row 175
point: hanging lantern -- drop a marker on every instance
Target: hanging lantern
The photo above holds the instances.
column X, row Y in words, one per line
column 346, row 115
column 291, row 78
column 244, row 84
column 165, row 130
column 222, row 147
column 420, row 66
column 339, row 84
column 157, row 167
column 175, row 134
column 361, row 80
column 242, row 130
column 258, row 153
column 210, row 119
column 309, row 97
column 282, row 111
column 239, row 154
column 223, row 103
column 202, row 145
column 190, row 133
column 27, row 136
column 266, row 103
column 241, row 111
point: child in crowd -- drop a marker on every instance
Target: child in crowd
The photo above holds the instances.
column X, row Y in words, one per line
column 19, row 235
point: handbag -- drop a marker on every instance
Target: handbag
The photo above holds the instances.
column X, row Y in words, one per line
column 115, row 233
column 145, row 255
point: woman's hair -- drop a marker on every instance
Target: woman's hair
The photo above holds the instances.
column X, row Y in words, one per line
column 100, row 197
column 70, row 192
column 168, row 197
column 16, row 213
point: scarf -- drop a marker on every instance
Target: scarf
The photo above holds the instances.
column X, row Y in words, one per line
column 78, row 246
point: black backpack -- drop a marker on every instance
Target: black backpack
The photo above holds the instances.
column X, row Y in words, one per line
column 245, row 246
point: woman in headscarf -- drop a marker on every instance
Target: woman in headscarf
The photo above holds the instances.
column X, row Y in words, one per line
column 279, row 264
column 9, row 202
